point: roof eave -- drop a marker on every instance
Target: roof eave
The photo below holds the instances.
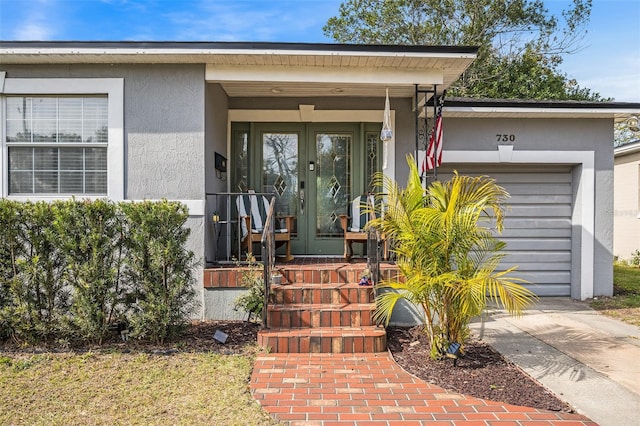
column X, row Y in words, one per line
column 462, row 107
column 201, row 52
column 630, row 148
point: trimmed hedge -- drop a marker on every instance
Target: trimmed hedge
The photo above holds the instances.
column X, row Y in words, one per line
column 72, row 271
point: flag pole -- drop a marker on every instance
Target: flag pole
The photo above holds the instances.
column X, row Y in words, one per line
column 417, row 131
column 435, row 118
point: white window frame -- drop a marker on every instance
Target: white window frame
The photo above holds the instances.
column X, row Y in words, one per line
column 113, row 88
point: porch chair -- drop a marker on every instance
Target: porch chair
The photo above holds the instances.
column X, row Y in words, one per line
column 354, row 225
column 252, row 214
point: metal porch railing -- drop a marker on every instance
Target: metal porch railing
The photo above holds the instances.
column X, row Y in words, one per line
column 226, row 230
column 268, row 255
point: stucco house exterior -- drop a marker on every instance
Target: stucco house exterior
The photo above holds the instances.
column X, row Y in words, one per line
column 626, row 214
column 193, row 121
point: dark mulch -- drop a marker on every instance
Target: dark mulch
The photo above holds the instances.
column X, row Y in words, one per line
column 482, row 372
column 197, row 337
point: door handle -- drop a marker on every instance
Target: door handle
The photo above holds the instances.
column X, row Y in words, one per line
column 301, row 194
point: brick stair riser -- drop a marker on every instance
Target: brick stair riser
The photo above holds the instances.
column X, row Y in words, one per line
column 306, row 318
column 321, row 310
column 232, row 277
column 327, row 276
column 320, row 344
column 283, row 294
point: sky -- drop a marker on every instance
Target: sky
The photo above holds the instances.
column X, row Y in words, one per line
column 608, row 63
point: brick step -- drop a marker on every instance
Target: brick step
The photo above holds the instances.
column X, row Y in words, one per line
column 320, row 315
column 331, row 274
column 324, row 340
column 320, row 293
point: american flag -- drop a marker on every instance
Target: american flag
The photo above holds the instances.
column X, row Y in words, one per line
column 433, row 157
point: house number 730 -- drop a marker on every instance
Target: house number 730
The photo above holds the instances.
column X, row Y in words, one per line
column 505, row 138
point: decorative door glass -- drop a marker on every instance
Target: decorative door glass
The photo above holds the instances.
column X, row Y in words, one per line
column 333, row 182
column 372, row 159
column 241, row 169
column 280, row 170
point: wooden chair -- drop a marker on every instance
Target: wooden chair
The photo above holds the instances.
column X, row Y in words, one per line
column 354, row 225
column 252, row 212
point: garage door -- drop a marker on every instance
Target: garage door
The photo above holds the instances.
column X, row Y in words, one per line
column 537, row 226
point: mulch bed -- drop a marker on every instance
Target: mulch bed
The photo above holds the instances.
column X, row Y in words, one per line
column 198, row 337
column 482, row 372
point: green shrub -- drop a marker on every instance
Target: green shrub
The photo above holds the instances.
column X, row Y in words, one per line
column 68, row 269
column 39, row 299
column 10, row 250
column 252, row 302
column 90, row 239
column 635, row 258
column 159, row 268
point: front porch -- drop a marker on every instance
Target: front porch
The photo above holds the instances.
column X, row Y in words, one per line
column 318, row 305
column 302, row 269
column 309, row 134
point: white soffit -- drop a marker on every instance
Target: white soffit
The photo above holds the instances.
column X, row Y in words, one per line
column 239, row 81
column 533, row 112
column 307, row 74
column 334, row 73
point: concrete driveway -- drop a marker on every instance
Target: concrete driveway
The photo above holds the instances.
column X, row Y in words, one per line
column 589, row 360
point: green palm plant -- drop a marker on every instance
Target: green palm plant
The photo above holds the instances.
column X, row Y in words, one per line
column 447, row 254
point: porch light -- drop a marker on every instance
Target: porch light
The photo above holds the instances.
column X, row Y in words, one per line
column 633, row 123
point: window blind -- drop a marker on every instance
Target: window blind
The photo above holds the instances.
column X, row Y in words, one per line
column 57, row 145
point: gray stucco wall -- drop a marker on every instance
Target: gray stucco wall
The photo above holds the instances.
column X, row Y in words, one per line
column 216, row 116
column 219, row 302
column 164, row 122
column 405, row 137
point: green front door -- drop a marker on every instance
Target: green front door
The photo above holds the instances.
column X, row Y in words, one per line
column 315, row 170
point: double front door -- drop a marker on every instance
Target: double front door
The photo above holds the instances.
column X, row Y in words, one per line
column 315, row 170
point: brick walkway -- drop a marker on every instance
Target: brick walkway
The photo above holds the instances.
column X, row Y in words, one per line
column 371, row 389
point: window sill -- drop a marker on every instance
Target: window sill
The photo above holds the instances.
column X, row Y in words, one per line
column 53, row 197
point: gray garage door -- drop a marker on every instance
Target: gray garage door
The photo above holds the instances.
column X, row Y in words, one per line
column 538, row 224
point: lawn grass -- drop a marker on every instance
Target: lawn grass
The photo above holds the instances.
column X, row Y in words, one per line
column 625, row 303
column 127, row 388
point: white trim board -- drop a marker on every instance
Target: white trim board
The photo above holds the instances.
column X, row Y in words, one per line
column 112, row 87
column 583, row 215
column 539, row 112
column 171, row 51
